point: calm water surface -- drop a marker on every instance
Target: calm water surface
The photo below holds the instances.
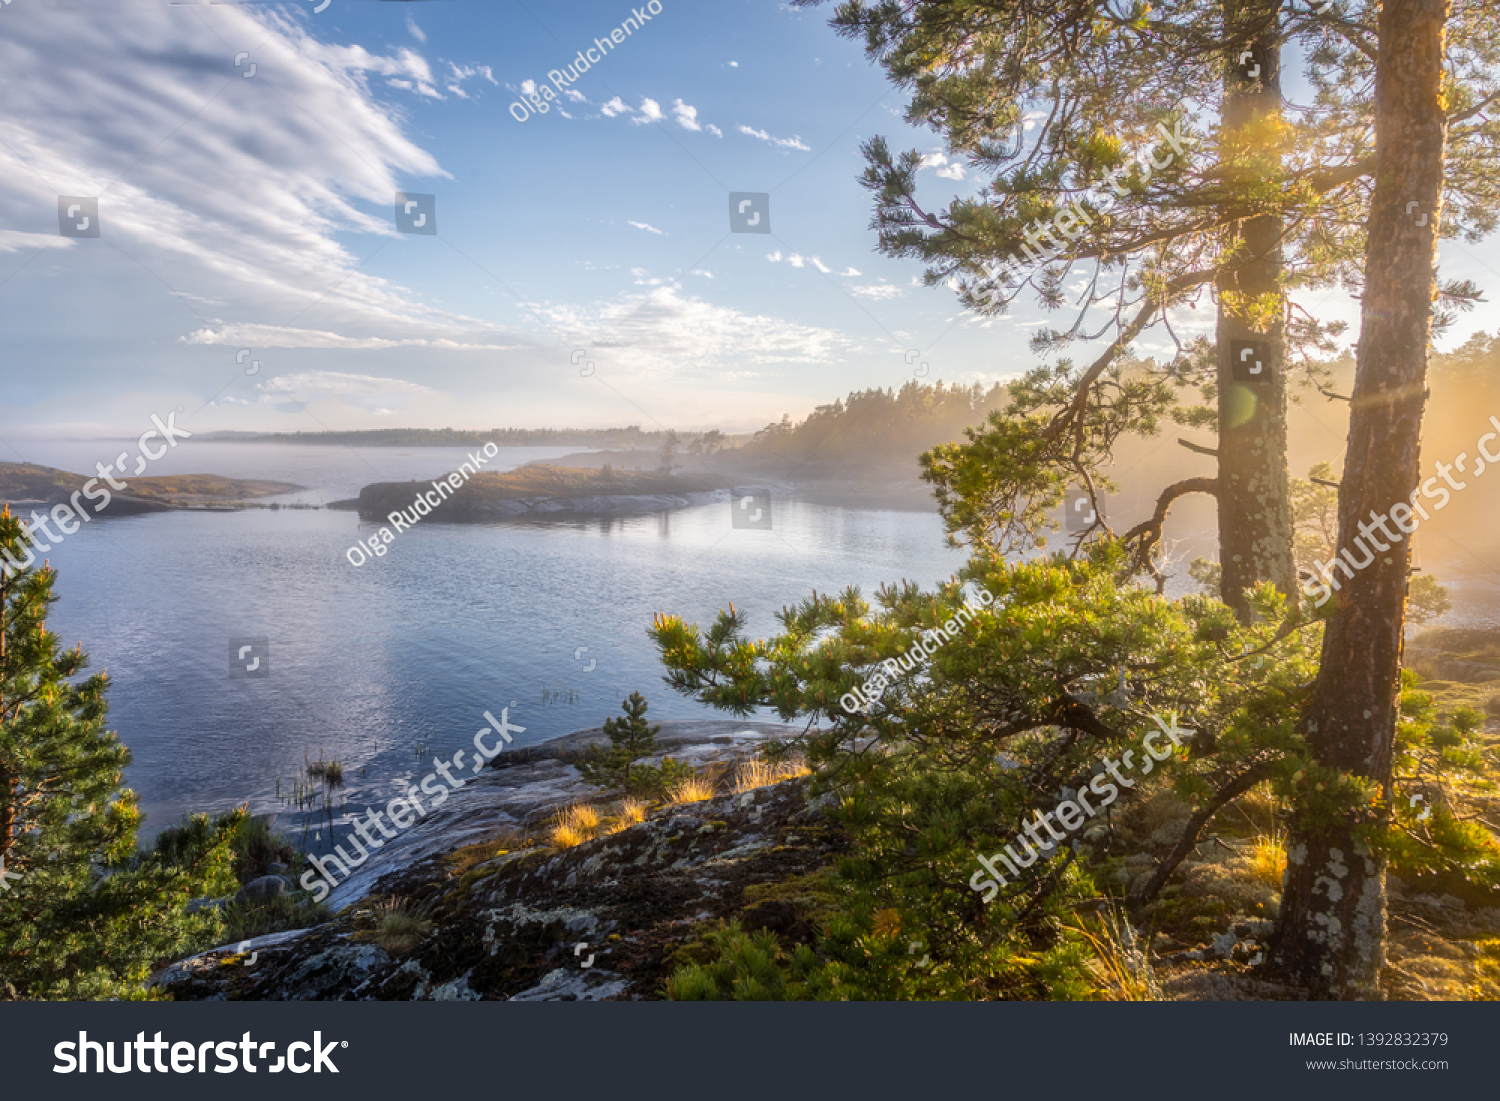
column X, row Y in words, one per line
column 369, row 663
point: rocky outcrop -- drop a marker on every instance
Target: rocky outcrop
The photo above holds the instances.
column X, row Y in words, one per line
column 537, row 490
column 603, row 919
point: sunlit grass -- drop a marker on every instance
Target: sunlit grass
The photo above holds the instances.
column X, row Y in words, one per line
column 695, row 789
column 574, row 825
column 1119, row 959
column 758, row 773
column 1268, row 858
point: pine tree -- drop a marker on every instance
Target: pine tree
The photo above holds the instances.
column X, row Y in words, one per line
column 82, row 915
column 630, row 739
column 1331, row 928
column 1266, row 206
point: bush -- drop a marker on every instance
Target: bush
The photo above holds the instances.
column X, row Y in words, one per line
column 631, row 738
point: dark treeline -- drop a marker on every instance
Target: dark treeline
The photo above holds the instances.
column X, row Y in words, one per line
column 624, row 438
column 876, row 432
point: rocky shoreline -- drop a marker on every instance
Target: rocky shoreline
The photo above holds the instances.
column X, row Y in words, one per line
column 508, row 924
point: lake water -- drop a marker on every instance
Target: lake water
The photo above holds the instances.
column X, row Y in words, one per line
column 367, row 663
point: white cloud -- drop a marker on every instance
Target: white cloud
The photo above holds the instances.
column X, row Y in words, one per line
column 798, row 261
column 850, row 271
column 734, row 64
column 416, row 31
column 715, row 131
column 252, row 335
column 877, row 291
column 466, row 72
column 782, row 143
column 687, row 117
column 14, row 240
column 374, row 395
column 650, row 111
column 650, row 229
column 947, row 169
column 668, row 331
column 615, row 107
column 243, row 197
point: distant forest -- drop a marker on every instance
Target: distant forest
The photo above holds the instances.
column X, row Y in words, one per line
column 620, row 438
column 876, row 431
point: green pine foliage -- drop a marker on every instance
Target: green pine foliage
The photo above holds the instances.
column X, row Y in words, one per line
column 630, row 739
column 1441, row 766
column 1062, row 671
column 83, row 915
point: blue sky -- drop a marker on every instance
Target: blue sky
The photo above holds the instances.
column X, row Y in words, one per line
column 256, row 212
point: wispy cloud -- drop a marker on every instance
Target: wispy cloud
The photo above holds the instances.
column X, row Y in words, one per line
column 781, row 143
column 650, row 229
column 797, row 261
column 225, row 212
column 668, row 331
column 254, row 335
column 374, row 395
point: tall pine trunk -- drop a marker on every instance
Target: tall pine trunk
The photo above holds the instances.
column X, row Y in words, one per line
column 1330, row 935
column 1255, row 515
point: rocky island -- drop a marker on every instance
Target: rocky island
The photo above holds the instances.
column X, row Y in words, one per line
column 29, row 486
column 542, row 490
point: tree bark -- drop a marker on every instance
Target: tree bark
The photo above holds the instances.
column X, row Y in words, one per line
column 1255, row 515
column 1330, row 933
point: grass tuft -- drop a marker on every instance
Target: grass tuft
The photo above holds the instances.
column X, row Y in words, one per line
column 400, row 926
column 757, row 772
column 574, row 825
column 695, row 789
column 1268, row 858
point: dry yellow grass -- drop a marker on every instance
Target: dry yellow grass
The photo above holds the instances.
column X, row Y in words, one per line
column 461, row 860
column 758, row 773
column 695, row 789
column 632, row 811
column 574, row 825
column 1268, row 858
column 399, row 926
column 1120, row 962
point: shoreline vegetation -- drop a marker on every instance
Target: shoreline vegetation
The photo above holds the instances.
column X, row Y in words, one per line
column 31, row 485
column 543, row 488
column 541, row 855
